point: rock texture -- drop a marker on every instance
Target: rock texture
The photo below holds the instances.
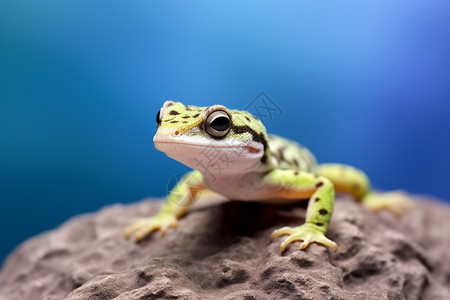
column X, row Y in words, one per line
column 222, row 250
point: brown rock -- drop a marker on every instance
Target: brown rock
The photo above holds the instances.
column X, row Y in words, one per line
column 223, row 251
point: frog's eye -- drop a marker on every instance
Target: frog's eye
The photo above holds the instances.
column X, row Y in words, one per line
column 218, row 124
column 158, row 118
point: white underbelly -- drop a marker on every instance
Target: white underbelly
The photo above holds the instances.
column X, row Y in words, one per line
column 247, row 189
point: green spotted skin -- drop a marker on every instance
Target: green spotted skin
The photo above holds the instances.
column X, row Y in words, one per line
column 232, row 154
column 291, row 155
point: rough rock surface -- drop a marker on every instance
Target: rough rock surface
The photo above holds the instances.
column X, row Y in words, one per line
column 222, row 250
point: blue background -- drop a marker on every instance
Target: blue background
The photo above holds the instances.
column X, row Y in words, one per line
column 365, row 83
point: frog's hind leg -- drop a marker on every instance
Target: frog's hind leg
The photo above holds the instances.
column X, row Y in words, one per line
column 347, row 179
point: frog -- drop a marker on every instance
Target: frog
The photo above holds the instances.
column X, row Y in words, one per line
column 232, row 154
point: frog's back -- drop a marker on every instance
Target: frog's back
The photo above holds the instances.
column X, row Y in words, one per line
column 291, row 155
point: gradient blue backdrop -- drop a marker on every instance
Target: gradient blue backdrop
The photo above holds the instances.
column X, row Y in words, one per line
column 365, row 83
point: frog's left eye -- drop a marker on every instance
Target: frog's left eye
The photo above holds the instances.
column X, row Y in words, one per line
column 158, row 118
column 218, row 124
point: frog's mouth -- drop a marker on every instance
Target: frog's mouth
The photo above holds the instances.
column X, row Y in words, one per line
column 196, row 151
column 168, row 145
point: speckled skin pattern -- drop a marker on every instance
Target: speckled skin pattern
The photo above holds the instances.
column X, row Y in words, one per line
column 232, row 155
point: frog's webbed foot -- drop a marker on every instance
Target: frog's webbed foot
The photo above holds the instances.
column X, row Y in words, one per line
column 144, row 226
column 396, row 202
column 307, row 233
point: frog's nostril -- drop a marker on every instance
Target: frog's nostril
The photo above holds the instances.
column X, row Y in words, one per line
column 177, row 132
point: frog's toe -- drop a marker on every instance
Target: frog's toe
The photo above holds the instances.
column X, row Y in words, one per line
column 171, row 223
column 143, row 227
column 134, row 226
column 281, row 231
column 324, row 241
column 144, row 231
column 318, row 238
column 305, row 233
column 293, row 238
column 396, row 202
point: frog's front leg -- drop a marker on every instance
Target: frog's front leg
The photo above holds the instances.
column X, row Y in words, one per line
column 320, row 190
column 182, row 196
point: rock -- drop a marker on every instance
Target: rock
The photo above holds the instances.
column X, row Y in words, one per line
column 222, row 250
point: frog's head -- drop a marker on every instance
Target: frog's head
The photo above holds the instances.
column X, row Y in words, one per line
column 212, row 138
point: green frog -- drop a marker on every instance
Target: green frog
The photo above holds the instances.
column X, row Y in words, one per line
column 232, row 155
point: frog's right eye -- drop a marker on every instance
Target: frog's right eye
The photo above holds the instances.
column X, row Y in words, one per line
column 158, row 118
column 218, row 124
